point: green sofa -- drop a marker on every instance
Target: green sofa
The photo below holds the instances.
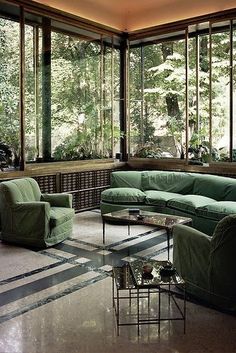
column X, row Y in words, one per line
column 203, row 197
column 208, row 263
column 31, row 218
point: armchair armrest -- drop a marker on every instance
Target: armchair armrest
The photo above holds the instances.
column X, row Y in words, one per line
column 191, row 254
column 194, row 238
column 30, row 218
column 58, row 200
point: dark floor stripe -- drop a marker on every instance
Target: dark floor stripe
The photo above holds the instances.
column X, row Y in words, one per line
column 33, row 272
column 40, row 284
column 51, row 298
column 96, row 261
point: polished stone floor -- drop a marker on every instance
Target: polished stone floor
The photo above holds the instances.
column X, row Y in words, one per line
column 60, row 299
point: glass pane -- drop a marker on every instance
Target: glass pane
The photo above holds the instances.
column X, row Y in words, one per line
column 75, row 97
column 220, row 92
column 9, row 94
column 116, row 101
column 158, row 100
column 135, row 103
column 33, row 96
column 199, row 122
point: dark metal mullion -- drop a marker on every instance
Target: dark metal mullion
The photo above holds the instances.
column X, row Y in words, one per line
column 123, row 99
column 231, row 94
column 101, row 103
column 36, row 84
column 186, row 92
column 142, row 95
column 197, row 85
column 210, row 88
column 128, row 99
column 112, row 99
column 22, row 89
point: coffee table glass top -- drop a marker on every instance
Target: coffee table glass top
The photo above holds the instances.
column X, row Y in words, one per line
column 154, row 279
column 147, row 218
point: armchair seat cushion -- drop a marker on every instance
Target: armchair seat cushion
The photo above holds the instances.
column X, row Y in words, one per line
column 189, row 203
column 123, row 195
column 217, row 210
column 60, row 215
column 159, row 198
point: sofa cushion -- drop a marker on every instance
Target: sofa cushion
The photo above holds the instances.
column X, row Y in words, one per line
column 123, row 195
column 159, row 198
column 189, row 203
column 176, row 182
column 213, row 186
column 217, row 210
column 60, row 215
column 123, row 179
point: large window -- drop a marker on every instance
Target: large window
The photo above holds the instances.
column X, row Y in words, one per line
column 63, row 90
column 195, row 70
column 66, row 81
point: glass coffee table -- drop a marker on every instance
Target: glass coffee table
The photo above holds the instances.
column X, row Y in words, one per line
column 138, row 285
column 159, row 220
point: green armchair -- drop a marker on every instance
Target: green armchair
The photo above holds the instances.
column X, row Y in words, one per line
column 31, row 218
column 208, row 263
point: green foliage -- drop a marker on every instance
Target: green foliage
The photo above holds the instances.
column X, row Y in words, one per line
column 82, row 102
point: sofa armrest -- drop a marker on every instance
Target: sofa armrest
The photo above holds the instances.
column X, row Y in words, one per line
column 58, row 200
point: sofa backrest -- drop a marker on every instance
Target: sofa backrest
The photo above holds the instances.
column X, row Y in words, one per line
column 126, row 179
column 168, row 181
column 18, row 190
column 216, row 187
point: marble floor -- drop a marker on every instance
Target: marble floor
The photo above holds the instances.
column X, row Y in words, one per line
column 60, row 299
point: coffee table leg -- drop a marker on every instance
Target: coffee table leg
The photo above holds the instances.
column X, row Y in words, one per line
column 103, row 231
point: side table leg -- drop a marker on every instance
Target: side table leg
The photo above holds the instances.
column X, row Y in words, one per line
column 184, row 309
column 138, row 318
column 159, row 311
column 118, row 313
column 168, row 233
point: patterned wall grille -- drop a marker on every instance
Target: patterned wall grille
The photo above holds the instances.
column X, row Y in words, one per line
column 86, row 187
column 47, row 183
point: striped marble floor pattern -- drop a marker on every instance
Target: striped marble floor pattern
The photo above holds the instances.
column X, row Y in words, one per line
column 30, row 279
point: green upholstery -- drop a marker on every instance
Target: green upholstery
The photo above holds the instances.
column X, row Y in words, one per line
column 123, row 195
column 203, row 197
column 217, row 210
column 189, row 203
column 208, row 263
column 159, row 198
column 31, row 218
column 176, row 182
column 216, row 187
column 122, row 179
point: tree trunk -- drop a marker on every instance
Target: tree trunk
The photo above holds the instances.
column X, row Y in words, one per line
column 171, row 99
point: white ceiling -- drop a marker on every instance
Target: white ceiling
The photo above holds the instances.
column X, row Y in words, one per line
column 130, row 15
